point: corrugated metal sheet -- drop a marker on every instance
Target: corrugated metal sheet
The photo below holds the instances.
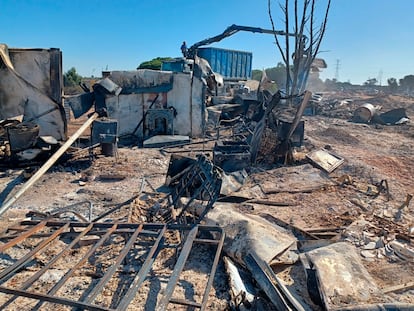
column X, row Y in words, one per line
column 235, row 65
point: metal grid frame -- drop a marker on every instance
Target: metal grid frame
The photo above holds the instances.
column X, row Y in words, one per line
column 201, row 181
column 47, row 231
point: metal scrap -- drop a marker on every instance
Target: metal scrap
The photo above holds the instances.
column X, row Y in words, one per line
column 134, row 241
column 324, row 159
column 200, row 182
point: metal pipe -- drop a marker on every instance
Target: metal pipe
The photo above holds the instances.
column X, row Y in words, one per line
column 49, row 163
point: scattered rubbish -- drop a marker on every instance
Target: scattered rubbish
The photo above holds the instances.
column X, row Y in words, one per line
column 232, row 182
column 48, row 140
column 325, row 160
column 399, row 287
column 294, row 136
column 277, row 292
column 113, row 177
column 242, row 291
column 403, row 250
column 201, row 183
column 368, row 113
column 232, row 156
column 365, row 113
column 394, row 117
column 177, row 167
column 298, row 232
column 28, row 154
column 48, row 164
column 153, row 248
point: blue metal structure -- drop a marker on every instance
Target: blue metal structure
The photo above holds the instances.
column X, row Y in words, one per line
column 231, row 64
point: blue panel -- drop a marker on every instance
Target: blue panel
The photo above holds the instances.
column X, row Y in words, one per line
column 175, row 66
column 229, row 63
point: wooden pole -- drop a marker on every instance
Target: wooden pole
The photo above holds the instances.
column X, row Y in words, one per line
column 48, row 164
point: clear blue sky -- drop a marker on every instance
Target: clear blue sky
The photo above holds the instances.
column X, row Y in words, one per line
column 371, row 39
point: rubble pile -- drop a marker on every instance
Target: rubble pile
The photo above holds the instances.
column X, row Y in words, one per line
column 254, row 205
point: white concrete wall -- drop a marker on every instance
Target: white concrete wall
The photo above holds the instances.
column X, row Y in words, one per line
column 129, row 109
column 179, row 98
column 198, row 108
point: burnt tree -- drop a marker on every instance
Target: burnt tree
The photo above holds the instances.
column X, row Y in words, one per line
column 299, row 51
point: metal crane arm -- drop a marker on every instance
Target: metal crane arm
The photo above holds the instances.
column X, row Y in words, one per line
column 231, row 30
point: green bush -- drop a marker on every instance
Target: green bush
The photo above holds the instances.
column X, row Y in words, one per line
column 154, row 64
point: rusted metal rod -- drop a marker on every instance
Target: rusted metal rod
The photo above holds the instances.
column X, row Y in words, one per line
column 49, row 163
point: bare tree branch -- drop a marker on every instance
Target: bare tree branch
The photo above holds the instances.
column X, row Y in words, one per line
column 306, row 47
column 274, row 29
column 317, row 45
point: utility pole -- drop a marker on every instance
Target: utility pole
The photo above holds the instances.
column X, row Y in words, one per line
column 379, row 79
column 338, row 65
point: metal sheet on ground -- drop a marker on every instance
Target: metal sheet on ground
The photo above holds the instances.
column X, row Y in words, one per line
column 249, row 234
column 342, row 278
column 303, row 178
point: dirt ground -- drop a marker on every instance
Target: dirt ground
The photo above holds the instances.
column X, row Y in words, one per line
column 372, row 153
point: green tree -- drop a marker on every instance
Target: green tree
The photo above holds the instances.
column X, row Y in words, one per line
column 256, row 74
column 371, row 82
column 71, row 78
column 392, row 84
column 278, row 74
column 407, row 83
column 154, row 64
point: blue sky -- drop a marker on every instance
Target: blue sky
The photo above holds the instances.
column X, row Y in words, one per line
column 371, row 39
